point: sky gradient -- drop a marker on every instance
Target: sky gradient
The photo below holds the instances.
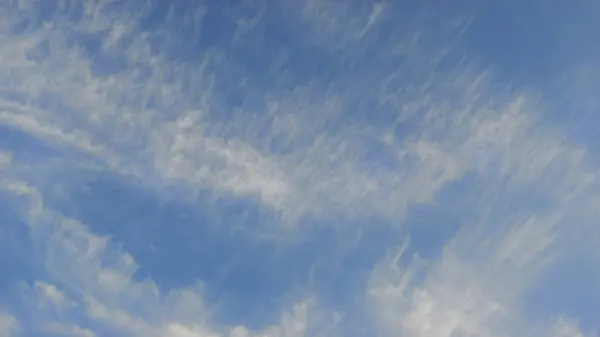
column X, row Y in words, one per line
column 318, row 168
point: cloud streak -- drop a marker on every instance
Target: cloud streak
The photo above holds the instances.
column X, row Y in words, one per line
column 398, row 116
column 100, row 281
column 164, row 131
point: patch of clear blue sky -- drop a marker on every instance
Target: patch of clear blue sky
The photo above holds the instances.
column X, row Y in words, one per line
column 176, row 242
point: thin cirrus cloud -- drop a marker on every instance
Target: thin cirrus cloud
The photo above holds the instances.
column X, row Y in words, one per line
column 346, row 117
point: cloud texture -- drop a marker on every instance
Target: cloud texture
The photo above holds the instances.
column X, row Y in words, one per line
column 289, row 169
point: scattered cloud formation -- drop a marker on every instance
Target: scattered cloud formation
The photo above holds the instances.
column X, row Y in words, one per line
column 313, row 168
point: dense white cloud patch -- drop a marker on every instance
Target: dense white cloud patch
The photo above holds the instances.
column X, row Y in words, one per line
column 100, row 87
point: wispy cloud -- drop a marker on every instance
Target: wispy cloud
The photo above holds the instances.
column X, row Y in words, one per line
column 49, row 295
column 68, row 330
column 148, row 120
column 395, row 118
column 8, row 325
column 472, row 291
column 100, row 281
column 477, row 286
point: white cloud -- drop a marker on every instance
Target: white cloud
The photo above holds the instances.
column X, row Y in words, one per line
column 158, row 130
column 156, row 127
column 476, row 287
column 49, row 132
column 294, row 324
column 565, row 328
column 49, row 294
column 77, row 259
column 472, row 291
column 5, row 158
column 68, row 330
column 8, row 325
column 162, row 122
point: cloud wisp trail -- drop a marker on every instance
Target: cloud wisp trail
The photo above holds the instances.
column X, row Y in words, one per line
column 328, row 122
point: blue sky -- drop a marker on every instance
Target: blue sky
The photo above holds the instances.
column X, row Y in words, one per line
column 265, row 168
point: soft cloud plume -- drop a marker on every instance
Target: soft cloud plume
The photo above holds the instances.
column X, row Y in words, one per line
column 471, row 291
column 108, row 292
column 8, row 325
column 146, row 120
column 68, row 330
column 393, row 117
